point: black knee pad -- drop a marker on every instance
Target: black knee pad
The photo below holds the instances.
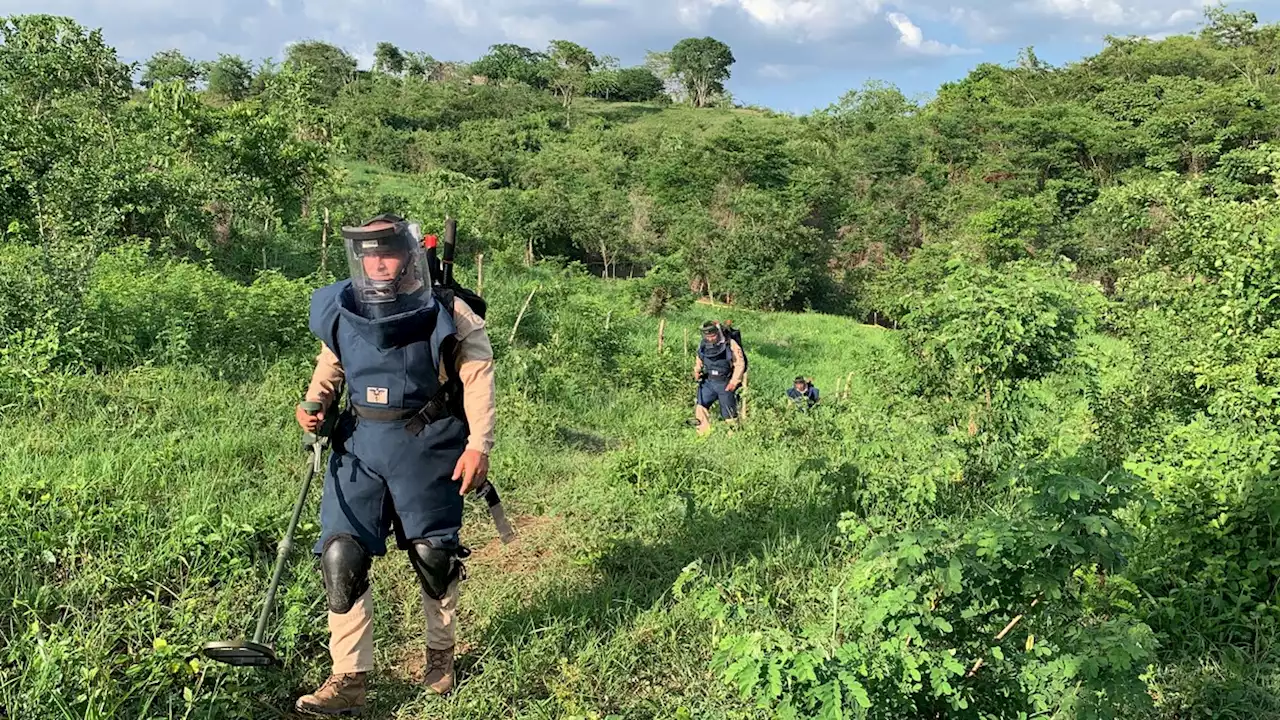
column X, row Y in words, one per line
column 344, row 565
column 436, row 567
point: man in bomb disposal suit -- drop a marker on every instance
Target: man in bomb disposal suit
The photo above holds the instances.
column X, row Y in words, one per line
column 414, row 439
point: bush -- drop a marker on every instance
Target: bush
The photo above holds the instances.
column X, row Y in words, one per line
column 1013, row 614
column 980, row 339
column 133, row 309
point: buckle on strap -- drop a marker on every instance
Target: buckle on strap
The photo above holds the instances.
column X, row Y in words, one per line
column 437, row 408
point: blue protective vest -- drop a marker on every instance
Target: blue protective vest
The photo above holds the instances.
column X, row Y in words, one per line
column 717, row 360
column 389, row 363
column 810, row 393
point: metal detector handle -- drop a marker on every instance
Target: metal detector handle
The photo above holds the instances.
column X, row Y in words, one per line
column 490, row 495
column 322, row 433
column 450, row 245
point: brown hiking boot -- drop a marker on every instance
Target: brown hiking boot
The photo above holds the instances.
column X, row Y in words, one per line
column 339, row 695
column 439, row 677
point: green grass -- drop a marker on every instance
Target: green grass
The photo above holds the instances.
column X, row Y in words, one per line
column 139, row 513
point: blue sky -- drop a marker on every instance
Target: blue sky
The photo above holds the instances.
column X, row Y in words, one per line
column 792, row 55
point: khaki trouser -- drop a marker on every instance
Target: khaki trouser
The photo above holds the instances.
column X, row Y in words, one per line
column 351, row 634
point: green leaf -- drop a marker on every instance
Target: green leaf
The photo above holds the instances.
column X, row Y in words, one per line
column 774, row 673
column 856, row 689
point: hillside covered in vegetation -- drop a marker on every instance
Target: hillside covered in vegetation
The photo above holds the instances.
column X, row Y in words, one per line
column 1042, row 309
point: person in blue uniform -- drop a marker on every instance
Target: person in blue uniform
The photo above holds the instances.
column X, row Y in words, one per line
column 803, row 393
column 718, row 368
column 413, row 440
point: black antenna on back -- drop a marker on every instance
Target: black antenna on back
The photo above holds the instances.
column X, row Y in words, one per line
column 450, row 244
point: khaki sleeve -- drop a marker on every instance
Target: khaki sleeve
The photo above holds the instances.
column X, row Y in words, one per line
column 326, row 380
column 475, row 369
column 739, row 361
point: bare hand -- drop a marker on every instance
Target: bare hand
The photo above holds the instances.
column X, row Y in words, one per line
column 308, row 422
column 472, row 468
column 731, row 386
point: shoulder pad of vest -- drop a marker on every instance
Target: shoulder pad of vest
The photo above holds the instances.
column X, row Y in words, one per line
column 323, row 320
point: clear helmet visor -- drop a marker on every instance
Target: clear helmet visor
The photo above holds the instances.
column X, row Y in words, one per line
column 389, row 270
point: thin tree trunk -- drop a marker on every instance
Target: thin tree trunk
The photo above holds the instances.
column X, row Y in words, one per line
column 512, row 337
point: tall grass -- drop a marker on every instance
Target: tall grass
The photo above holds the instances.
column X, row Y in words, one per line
column 142, row 505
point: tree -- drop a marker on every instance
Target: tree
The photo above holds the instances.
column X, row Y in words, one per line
column 1229, row 29
column 637, row 84
column 507, row 61
column 267, row 69
column 603, row 81
column 568, row 69
column 46, row 59
column 59, row 85
column 387, row 58
column 702, row 66
column 167, row 66
column 331, row 66
column 659, row 63
column 422, row 65
column 229, row 77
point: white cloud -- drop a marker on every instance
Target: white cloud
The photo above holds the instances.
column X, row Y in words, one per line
column 911, row 37
column 1133, row 15
column 832, row 41
column 806, row 18
column 978, row 25
column 782, row 71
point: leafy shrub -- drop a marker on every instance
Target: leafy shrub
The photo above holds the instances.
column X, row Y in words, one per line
column 980, row 339
column 1012, row 614
column 1208, row 557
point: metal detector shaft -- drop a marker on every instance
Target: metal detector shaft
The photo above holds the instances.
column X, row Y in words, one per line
column 286, row 545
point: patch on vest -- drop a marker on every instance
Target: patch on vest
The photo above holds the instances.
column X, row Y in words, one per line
column 375, row 396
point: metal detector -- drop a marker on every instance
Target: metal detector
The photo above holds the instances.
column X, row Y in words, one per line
column 255, row 652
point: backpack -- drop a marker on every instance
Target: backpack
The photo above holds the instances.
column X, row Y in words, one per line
column 735, row 335
column 445, row 292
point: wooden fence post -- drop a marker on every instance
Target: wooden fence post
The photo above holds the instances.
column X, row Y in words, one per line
column 686, row 342
column 324, row 243
column 480, row 274
column 743, row 410
column 662, row 331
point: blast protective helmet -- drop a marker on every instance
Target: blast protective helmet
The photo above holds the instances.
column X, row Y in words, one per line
column 389, row 270
column 711, row 327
